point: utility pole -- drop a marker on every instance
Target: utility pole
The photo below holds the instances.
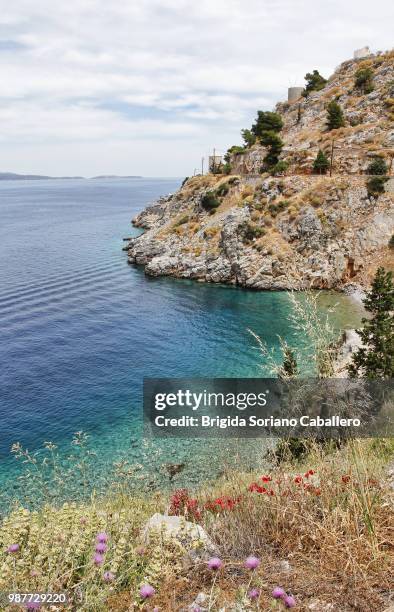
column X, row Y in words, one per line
column 202, row 165
column 332, row 156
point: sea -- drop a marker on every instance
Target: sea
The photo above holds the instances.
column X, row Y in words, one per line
column 80, row 328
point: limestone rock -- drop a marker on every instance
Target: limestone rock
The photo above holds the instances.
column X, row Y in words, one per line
column 192, row 538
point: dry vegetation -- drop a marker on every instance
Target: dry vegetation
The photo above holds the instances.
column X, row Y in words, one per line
column 322, row 530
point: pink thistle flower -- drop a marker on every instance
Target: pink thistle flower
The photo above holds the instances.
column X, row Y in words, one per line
column 98, row 559
column 108, row 577
column 102, row 537
column 101, row 547
column 13, row 548
column 34, row 573
column 147, row 591
column 278, row 593
column 252, row 563
column 140, row 550
column 289, row 601
column 254, row 594
column 33, row 605
column 215, row 563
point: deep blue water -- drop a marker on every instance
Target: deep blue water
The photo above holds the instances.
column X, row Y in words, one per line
column 80, row 328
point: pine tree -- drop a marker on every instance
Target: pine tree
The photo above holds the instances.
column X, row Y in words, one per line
column 375, row 359
column 267, row 122
column 314, row 82
column 321, row 163
column 335, row 117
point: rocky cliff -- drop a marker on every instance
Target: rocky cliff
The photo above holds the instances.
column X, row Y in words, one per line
column 297, row 230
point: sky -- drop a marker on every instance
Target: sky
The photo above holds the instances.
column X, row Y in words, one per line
column 149, row 87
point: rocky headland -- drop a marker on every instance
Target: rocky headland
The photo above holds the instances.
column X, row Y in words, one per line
column 288, row 228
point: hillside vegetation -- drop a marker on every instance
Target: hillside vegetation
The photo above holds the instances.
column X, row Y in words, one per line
column 299, row 205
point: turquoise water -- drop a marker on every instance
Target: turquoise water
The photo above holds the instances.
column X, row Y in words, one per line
column 80, row 328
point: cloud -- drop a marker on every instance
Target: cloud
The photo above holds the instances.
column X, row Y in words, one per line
column 160, row 74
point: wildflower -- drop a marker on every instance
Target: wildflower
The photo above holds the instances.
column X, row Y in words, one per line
column 289, row 601
column 298, row 479
column 102, row 537
column 252, row 562
column 278, row 593
column 215, row 563
column 309, row 473
column 147, row 591
column 101, row 547
column 34, row 573
column 254, row 594
column 13, row 548
column 140, row 550
column 98, row 559
column 33, row 605
column 317, row 491
column 83, row 520
column 345, row 478
column 266, row 478
column 108, row 576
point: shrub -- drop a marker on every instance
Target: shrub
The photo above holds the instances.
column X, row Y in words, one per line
column 249, row 137
column 275, row 209
column 251, row 231
column 222, row 190
column 321, row 163
column 377, row 167
column 391, row 242
column 226, row 168
column 280, row 168
column 209, row 201
column 364, row 79
column 267, row 122
column 184, row 219
column 314, row 82
column 375, row 186
column 185, row 181
column 335, row 117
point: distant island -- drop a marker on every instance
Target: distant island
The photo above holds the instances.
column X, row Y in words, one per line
column 12, row 176
column 115, row 176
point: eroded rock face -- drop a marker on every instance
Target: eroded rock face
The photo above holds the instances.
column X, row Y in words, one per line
column 295, row 231
column 286, row 233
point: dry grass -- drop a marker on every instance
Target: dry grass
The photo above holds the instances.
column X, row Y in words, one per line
column 325, row 537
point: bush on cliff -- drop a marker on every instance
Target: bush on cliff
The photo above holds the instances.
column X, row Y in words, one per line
column 364, row 80
column 377, row 167
column 376, row 186
column 314, row 82
column 335, row 116
column 321, row 163
column 209, row 201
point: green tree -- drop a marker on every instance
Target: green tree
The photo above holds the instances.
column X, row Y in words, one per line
column 364, row 80
column 335, row 117
column 267, row 122
column 249, row 137
column 321, row 163
column 377, row 167
column 274, row 143
column 375, row 359
column 314, row 82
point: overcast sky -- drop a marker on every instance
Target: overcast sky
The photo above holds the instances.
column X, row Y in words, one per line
column 150, row 86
